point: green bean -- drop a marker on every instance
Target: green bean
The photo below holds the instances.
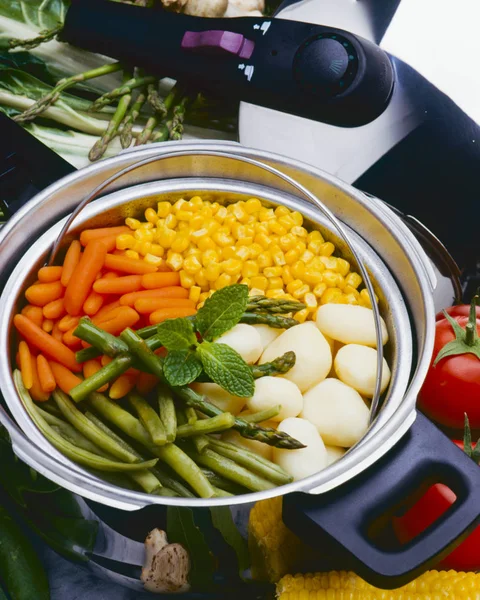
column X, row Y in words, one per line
column 79, row 455
column 191, row 415
column 149, row 419
column 166, row 407
column 263, row 415
column 170, row 482
column 219, row 493
column 77, row 439
column 170, row 454
column 102, row 340
column 146, row 480
column 89, row 430
column 139, row 348
column 91, row 384
column 51, row 407
column 101, row 425
column 225, row 484
column 230, row 470
column 200, row 442
column 251, row 461
column 180, row 416
column 85, row 354
column 164, row 491
column 212, row 425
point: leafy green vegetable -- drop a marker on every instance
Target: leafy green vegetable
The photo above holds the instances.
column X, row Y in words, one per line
column 181, row 367
column 177, row 334
column 227, row 368
column 222, row 311
column 223, row 521
column 27, row 63
column 181, row 529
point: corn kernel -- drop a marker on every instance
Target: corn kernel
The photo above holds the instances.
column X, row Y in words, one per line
column 132, row 254
column 125, row 241
column 310, row 300
column 276, row 227
column 275, row 283
column 327, row 249
column 245, row 241
column 319, row 289
column 365, row 298
column 221, row 213
column 287, row 222
column 254, row 250
column 300, row 247
column 174, row 261
column 165, row 237
column 263, row 240
column 286, row 242
column 294, row 285
column 315, row 236
column 151, row 215
column 343, row 266
column 209, row 256
column 232, row 266
column 132, row 223
column 301, row 315
column 317, row 263
column 191, row 264
column 300, row 232
column 250, row 268
column 272, row 271
column 264, row 260
column 298, row 269
column 144, row 248
column 348, row 289
column 304, row 289
column 204, row 296
column 291, row 256
column 213, row 226
column 329, row 278
column 157, row 250
column 278, row 256
column 256, row 292
column 242, row 253
column 282, row 211
column 143, row 235
column 183, row 215
column 240, row 212
column 146, row 225
column 331, row 296
column 340, row 281
column 252, row 205
column 206, row 243
column 179, row 205
column 265, row 214
column 287, row 276
column 228, row 252
column 307, row 256
column 260, row 282
column 353, row 279
column 297, row 217
column 196, row 202
column 212, row 271
column 201, row 279
column 186, row 279
column 194, row 294
column 275, row 293
column 171, row 221
column 350, row 298
column 223, row 239
column 312, row 276
column 151, row 259
column 262, row 228
column 315, row 246
column 180, row 243
column 163, row 209
column 329, row 262
column 206, row 212
column 222, row 281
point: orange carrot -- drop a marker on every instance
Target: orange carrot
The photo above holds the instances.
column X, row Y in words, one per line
column 146, row 382
column 82, row 279
column 36, row 391
column 90, row 367
column 110, row 242
column 89, row 235
column 104, row 314
column 26, row 368
column 166, row 292
column 45, row 375
column 47, row 325
column 133, row 266
column 46, row 343
column 67, row 322
column 109, row 275
column 170, row 313
column 93, row 303
column 118, row 285
column 64, row 378
column 121, row 386
column 163, row 267
column 49, row 274
column 152, row 281
column 149, row 305
column 34, row 313
column 71, row 340
column 127, row 318
column 105, row 360
column 110, row 315
column 56, row 333
column 72, row 258
column 54, row 309
column 43, row 293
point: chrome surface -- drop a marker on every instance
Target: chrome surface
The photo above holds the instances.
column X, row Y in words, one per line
column 396, row 262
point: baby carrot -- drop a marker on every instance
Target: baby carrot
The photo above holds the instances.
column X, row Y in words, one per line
column 166, row 292
column 133, row 266
column 105, row 360
column 145, row 383
column 36, row 391
column 121, row 386
column 45, row 375
column 152, row 281
column 149, row 305
column 49, row 274
column 46, row 343
column 71, row 340
column 47, row 325
column 88, row 235
column 56, row 333
column 110, row 242
column 41, row 294
column 54, row 309
column 67, row 322
column 170, row 313
column 82, row 279
column 26, row 368
column 126, row 318
column 90, row 367
column 64, row 378
column 93, row 303
column 104, row 311
column 118, row 285
column 34, row 313
column 70, row 262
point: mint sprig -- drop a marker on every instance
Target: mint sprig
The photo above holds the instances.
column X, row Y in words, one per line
column 222, row 311
column 181, row 367
column 177, row 334
column 227, row 368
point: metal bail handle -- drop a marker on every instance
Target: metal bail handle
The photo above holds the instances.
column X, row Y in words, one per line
column 299, row 187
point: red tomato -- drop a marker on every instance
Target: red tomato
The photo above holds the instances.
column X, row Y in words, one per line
column 466, row 556
column 452, row 386
column 459, row 310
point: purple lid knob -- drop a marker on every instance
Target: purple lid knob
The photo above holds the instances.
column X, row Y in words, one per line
column 224, row 41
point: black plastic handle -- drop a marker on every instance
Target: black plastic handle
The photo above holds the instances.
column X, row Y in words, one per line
column 313, row 71
column 349, row 514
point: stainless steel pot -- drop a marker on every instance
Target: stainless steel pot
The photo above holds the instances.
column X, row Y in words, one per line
column 404, row 280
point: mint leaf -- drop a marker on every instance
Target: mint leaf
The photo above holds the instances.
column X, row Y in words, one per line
column 227, row 368
column 222, row 311
column 181, row 367
column 223, row 521
column 181, row 529
column 177, row 334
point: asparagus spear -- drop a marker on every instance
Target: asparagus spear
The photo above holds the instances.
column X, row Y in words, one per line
column 279, row 366
column 153, row 121
column 276, row 321
column 44, row 36
column 219, row 423
column 100, row 146
column 272, row 305
column 263, row 415
column 155, row 100
column 105, row 342
column 126, row 135
column 38, row 107
column 126, row 88
column 149, row 419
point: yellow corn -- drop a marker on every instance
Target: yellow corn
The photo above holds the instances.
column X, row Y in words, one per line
column 194, row 294
column 343, row 585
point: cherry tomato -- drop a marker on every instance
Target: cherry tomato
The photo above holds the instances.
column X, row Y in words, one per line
column 438, row 499
column 459, row 310
column 452, row 385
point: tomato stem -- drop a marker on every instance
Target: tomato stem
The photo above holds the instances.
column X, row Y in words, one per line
column 471, row 335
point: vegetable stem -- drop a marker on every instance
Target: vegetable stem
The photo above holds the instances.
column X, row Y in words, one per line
column 166, row 408
column 149, row 419
column 101, row 145
column 126, row 135
column 276, row 321
column 126, row 88
column 31, row 43
column 279, row 366
column 212, row 425
column 273, row 305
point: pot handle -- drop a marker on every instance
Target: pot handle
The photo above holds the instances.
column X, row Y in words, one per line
column 347, row 515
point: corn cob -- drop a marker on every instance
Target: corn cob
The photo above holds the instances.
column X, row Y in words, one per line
column 342, row 585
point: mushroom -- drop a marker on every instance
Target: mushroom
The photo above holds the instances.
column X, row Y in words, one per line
column 166, row 565
column 217, row 8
